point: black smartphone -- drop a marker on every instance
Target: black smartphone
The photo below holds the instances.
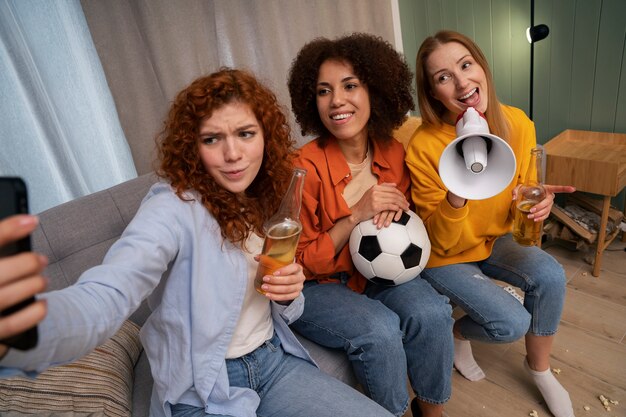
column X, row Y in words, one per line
column 14, row 200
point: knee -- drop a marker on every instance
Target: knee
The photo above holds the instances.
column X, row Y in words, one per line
column 381, row 332
column 435, row 316
column 555, row 277
column 549, row 277
column 512, row 328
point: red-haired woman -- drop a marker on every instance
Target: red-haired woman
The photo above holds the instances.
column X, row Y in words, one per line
column 216, row 347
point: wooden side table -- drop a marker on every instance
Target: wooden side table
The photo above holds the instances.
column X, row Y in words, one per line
column 593, row 162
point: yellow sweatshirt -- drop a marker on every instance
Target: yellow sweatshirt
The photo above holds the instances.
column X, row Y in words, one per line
column 465, row 234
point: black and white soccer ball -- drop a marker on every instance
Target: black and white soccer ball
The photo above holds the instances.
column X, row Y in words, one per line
column 392, row 255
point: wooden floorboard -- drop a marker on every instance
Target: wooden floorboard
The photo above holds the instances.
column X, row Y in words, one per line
column 589, row 350
column 594, row 314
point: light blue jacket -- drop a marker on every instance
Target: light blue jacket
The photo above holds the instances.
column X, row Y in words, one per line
column 172, row 252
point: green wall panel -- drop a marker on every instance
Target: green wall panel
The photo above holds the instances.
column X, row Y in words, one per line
column 450, row 19
column 433, row 11
column 607, row 75
column 619, row 124
column 587, row 22
column 560, row 77
column 501, row 60
column 541, row 90
column 520, row 55
column 482, row 27
column 465, row 18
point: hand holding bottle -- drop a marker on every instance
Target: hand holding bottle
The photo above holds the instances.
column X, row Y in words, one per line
column 527, row 231
column 540, row 211
column 533, row 202
column 284, row 284
column 282, row 232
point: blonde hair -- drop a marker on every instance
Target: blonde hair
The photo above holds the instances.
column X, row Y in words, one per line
column 431, row 109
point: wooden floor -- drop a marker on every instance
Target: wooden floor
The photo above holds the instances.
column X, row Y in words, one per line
column 590, row 350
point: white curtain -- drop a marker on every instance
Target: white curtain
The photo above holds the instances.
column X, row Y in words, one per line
column 59, row 129
column 85, row 84
column 151, row 49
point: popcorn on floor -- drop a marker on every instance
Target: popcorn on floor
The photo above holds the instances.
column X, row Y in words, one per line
column 606, row 402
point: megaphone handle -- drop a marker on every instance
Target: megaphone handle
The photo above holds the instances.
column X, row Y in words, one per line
column 459, row 146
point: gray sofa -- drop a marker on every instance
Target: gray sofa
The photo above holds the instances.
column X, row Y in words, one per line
column 76, row 235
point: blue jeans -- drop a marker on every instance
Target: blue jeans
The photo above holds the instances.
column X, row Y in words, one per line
column 387, row 332
column 289, row 386
column 493, row 315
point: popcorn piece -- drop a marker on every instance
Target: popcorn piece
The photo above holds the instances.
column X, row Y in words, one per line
column 606, row 402
column 533, row 413
column 556, row 370
column 587, row 408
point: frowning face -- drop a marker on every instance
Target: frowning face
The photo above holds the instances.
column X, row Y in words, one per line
column 231, row 145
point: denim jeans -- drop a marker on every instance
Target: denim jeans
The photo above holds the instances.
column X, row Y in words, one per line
column 386, row 332
column 289, row 386
column 493, row 315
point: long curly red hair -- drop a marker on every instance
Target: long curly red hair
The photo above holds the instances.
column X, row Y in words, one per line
column 179, row 158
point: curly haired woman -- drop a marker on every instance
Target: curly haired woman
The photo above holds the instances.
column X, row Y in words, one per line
column 216, row 347
column 352, row 92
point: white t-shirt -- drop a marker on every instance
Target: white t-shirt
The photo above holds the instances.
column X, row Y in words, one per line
column 255, row 324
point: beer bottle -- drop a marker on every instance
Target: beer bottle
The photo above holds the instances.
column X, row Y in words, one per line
column 282, row 231
column 527, row 232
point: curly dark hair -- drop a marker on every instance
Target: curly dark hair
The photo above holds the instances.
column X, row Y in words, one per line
column 377, row 65
column 179, row 158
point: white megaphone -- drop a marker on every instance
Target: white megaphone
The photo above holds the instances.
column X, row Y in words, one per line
column 476, row 165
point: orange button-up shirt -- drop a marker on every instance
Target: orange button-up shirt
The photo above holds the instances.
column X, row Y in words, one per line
column 323, row 204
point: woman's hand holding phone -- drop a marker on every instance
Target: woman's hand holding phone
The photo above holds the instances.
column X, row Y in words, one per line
column 20, row 280
column 20, row 270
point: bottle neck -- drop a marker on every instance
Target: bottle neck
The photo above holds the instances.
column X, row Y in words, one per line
column 535, row 167
column 292, row 201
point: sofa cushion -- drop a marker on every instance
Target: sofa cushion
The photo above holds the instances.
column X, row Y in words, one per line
column 76, row 235
column 405, row 132
column 331, row 361
column 100, row 384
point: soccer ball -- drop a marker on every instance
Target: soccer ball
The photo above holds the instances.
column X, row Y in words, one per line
column 392, row 255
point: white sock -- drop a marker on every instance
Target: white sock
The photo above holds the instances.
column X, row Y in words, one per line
column 553, row 393
column 464, row 361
